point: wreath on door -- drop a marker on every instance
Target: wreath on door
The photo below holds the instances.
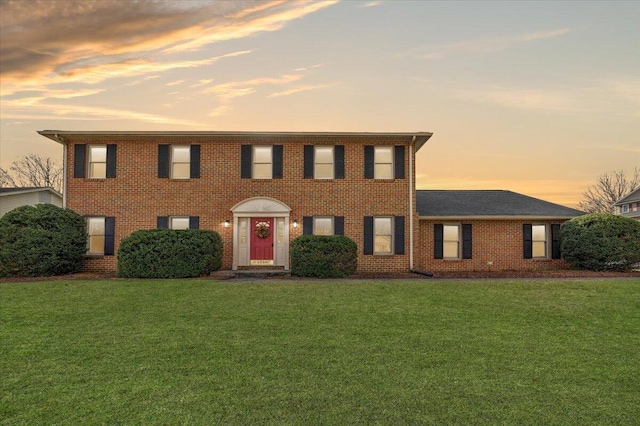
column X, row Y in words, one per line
column 263, row 229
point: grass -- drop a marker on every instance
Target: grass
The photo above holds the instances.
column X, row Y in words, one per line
column 320, row 352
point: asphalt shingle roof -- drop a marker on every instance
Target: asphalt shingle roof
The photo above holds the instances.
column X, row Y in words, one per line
column 487, row 203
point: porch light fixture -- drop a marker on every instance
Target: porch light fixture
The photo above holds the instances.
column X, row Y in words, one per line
column 227, row 223
column 295, row 223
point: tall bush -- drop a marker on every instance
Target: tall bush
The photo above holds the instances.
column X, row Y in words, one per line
column 323, row 256
column 41, row 240
column 601, row 242
column 168, row 253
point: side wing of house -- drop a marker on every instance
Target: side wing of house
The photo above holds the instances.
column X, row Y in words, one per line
column 11, row 198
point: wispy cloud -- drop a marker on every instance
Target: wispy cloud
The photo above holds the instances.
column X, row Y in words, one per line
column 370, row 3
column 301, row 89
column 483, row 45
column 174, row 83
column 202, row 83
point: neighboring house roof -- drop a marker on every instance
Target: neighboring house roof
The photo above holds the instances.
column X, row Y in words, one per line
column 487, row 204
column 631, row 197
column 25, row 190
column 65, row 137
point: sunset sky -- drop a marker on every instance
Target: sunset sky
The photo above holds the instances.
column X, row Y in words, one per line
column 535, row 97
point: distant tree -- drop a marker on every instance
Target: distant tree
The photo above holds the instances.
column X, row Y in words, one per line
column 6, row 181
column 608, row 189
column 34, row 170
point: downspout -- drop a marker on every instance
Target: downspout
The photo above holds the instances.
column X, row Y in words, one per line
column 64, row 170
column 411, row 191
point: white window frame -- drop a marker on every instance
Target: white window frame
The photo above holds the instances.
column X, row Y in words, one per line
column 332, row 224
column 254, row 163
column 174, row 162
column 376, row 234
column 92, row 235
column 174, row 225
column 378, row 163
column 625, row 208
column 536, row 242
column 316, row 163
column 445, row 240
column 91, row 162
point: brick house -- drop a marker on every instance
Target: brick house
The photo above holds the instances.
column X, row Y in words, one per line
column 361, row 185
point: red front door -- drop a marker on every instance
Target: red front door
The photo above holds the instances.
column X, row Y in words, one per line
column 262, row 240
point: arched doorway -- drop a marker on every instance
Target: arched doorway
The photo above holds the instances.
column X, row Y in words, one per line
column 261, row 233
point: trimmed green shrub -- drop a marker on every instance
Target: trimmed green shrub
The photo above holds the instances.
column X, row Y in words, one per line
column 169, row 253
column 41, row 240
column 601, row 242
column 323, row 256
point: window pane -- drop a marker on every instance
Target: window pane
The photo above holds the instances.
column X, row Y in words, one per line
column 324, row 171
column 323, row 226
column 98, row 153
column 179, row 223
column 98, row 170
column 96, row 244
column 262, row 154
column 382, row 226
column 181, row 171
column 95, row 226
column 450, row 249
column 383, row 171
column 539, row 249
column 539, row 232
column 324, row 154
column 382, row 244
column 262, row 171
column 383, row 154
column 180, row 153
column 451, row 232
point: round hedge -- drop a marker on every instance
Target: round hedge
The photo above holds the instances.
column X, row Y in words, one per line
column 169, row 253
column 323, row 256
column 41, row 240
column 601, row 242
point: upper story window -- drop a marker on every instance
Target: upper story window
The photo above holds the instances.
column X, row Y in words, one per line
column 179, row 161
column 261, row 161
column 97, row 161
column 625, row 208
column 384, row 162
column 94, row 161
column 324, row 161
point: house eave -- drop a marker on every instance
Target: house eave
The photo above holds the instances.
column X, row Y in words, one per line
column 492, row 217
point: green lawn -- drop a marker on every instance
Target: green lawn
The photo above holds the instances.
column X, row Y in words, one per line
column 320, row 352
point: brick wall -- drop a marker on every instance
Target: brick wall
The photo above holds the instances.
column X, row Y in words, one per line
column 497, row 246
column 136, row 196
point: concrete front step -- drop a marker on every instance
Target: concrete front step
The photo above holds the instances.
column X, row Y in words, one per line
column 251, row 273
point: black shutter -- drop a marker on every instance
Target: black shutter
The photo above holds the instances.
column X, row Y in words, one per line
column 111, row 160
column 163, row 161
column 438, row 241
column 109, row 235
column 162, row 222
column 245, row 161
column 79, row 160
column 555, row 241
column 277, row 162
column 194, row 173
column 338, row 162
column 398, row 158
column 308, row 161
column 194, row 222
column 398, row 234
column 338, row 225
column 527, row 246
column 368, row 235
column 368, row 161
column 307, row 225
column 467, row 245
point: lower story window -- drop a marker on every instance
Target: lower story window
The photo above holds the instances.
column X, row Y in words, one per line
column 95, row 228
column 322, row 225
column 179, row 222
column 451, row 241
column 539, row 241
column 382, row 235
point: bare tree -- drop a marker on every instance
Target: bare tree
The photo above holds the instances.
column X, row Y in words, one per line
column 37, row 171
column 6, row 181
column 608, row 189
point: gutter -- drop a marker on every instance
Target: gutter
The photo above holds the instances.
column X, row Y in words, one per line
column 411, row 192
